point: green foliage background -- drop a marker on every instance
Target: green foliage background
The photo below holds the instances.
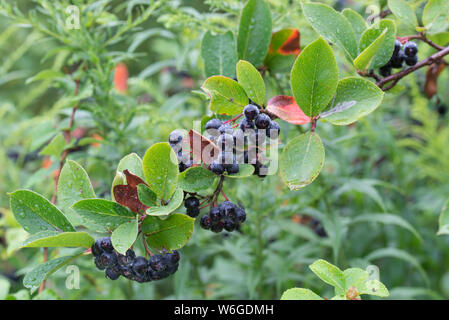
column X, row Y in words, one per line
column 391, row 164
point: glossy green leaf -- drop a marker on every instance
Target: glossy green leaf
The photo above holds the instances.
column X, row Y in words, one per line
column 146, row 195
column 174, row 203
column 34, row 278
column 329, row 273
column 219, row 53
column 435, row 16
column 355, row 98
column 102, row 215
column 254, row 32
column 355, row 277
column 314, row 77
column 302, row 160
column 35, row 213
column 300, row 294
column 333, row 26
column 226, row 95
column 251, row 81
column 55, row 147
column 196, row 179
column 73, row 185
column 404, row 12
column 357, row 22
column 367, row 56
column 124, row 236
column 171, row 233
column 133, row 163
column 160, row 167
column 53, row 239
column 245, row 170
column 444, row 219
column 375, row 288
column 372, row 43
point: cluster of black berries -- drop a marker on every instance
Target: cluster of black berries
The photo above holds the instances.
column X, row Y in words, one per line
column 408, row 54
column 184, row 160
column 254, row 128
column 192, row 206
column 158, row 267
column 226, row 215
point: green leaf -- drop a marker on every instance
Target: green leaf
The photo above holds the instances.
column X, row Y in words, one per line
column 404, row 12
column 300, row 294
column 102, row 215
column 444, row 219
column 251, row 81
column 302, row 160
column 373, row 44
column 53, row 239
column 124, row 236
column 196, row 179
column 133, row 164
column 245, row 170
column 355, row 98
column 314, row 77
column 55, row 147
column 34, row 278
column 436, row 15
column 35, row 213
column 226, row 95
column 333, row 26
column 355, row 277
column 329, row 273
column 173, row 204
column 375, row 288
column 160, row 167
column 48, row 74
column 219, row 53
column 4, row 288
column 356, row 20
column 366, row 58
column 146, row 195
column 254, row 32
column 171, row 233
column 73, row 185
column 387, row 219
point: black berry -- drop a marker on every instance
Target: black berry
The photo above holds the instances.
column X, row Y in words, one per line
column 191, row 202
column 213, row 125
column 251, row 112
column 410, row 49
column 205, row 222
column 175, row 137
column 411, row 61
column 193, row 212
column 246, row 124
column 106, row 244
column 397, row 60
column 262, row 121
column 217, row 167
column 112, row 274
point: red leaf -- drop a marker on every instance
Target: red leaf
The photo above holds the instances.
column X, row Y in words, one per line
column 203, row 150
column 127, row 195
column 121, row 78
column 291, row 45
column 285, row 108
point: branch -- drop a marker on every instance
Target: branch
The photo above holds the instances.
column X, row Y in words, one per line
column 421, row 36
column 398, row 76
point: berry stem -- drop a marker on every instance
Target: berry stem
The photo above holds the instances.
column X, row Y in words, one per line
column 224, row 195
column 147, row 251
column 233, row 119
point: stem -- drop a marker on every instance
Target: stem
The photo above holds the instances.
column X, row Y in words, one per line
column 233, row 119
column 421, row 36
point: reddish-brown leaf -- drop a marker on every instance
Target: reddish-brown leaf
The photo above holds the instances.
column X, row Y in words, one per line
column 285, row 108
column 431, row 86
column 127, row 195
column 291, row 45
column 203, row 150
column 121, row 78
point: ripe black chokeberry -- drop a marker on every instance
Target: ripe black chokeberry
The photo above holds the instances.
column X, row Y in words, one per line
column 397, row 47
column 173, row 257
column 410, row 49
column 191, row 202
column 106, row 244
column 273, row 129
column 227, row 209
column 96, row 248
column 411, row 61
column 205, row 222
column 139, row 266
column 225, row 128
column 262, row 121
column 98, row 263
column 246, row 124
column 233, row 168
column 229, row 225
column 215, row 214
column 156, row 263
column 217, row 227
column 240, row 214
column 217, row 167
column 385, row 71
column 251, row 112
column 193, row 212
column 175, row 137
column 397, row 60
column 108, row 259
column 112, row 274
column 213, row 125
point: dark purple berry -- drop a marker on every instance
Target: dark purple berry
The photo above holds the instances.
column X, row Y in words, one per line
column 191, row 202
column 385, row 71
column 96, row 248
column 397, row 60
column 233, row 168
column 217, row 227
column 106, row 244
column 262, row 121
column 205, row 222
column 217, row 167
column 227, row 208
column 98, row 263
column 139, row 266
column 229, row 225
column 215, row 214
column 193, row 212
column 112, row 274
column 273, row 129
column 411, row 61
column 246, row 124
column 225, row 128
column 240, row 215
column 213, row 125
column 108, row 259
column 156, row 263
column 251, row 112
column 175, row 137
column 410, row 49
column 397, row 47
